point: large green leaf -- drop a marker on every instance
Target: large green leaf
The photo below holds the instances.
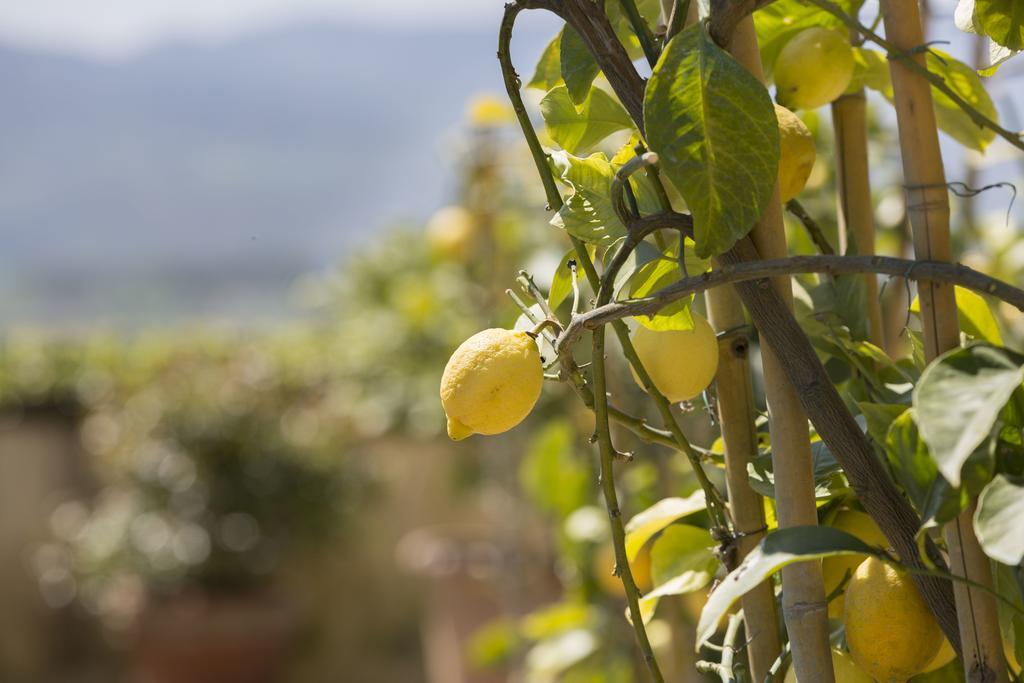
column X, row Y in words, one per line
column 997, row 521
column 577, row 65
column 713, row 124
column 958, row 401
column 777, row 550
column 1000, row 20
column 548, row 72
column 645, row 524
column 577, row 129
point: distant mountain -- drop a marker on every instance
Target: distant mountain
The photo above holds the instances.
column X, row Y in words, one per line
column 200, row 179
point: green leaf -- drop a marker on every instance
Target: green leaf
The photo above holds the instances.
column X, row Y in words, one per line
column 959, row 398
column 871, row 70
column 577, row 65
column 551, row 620
column 973, row 314
column 976, row 318
column 777, row 550
column 997, row 56
column 645, row 524
column 879, row 417
column 548, row 72
column 914, row 469
column 951, row 118
column 493, row 643
column 1000, row 20
column 713, row 124
column 561, row 281
column 552, row 474
column 576, row 129
column 588, row 213
column 997, row 521
column 682, row 561
column 963, row 80
column 661, row 272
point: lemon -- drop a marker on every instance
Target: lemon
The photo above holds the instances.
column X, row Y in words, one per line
column 604, row 566
column 681, row 363
column 451, row 232
column 945, row 655
column 796, row 153
column 813, row 68
column 846, row 670
column 890, row 632
column 834, row 568
column 488, row 111
column 491, row 383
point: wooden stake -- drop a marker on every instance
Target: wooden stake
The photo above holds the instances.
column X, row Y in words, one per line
column 855, row 211
column 928, row 210
column 803, row 591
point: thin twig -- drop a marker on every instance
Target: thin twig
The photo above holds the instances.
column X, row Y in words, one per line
column 725, row 669
column 811, row 225
column 642, row 31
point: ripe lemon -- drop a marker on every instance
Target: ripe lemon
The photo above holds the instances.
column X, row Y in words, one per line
column 451, row 232
column 890, row 632
column 491, row 383
column 834, row 568
column 604, row 566
column 846, row 670
column 797, row 153
column 813, row 68
column 681, row 363
column 945, row 655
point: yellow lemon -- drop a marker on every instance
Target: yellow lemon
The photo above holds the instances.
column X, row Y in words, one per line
column 846, row 670
column 813, row 68
column 834, row 568
column 604, row 566
column 889, row 630
column 488, row 111
column 681, row 363
column 945, row 655
column 797, row 153
column 451, row 232
column 491, row 383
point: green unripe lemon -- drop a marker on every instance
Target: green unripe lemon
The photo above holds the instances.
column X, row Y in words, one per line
column 813, row 68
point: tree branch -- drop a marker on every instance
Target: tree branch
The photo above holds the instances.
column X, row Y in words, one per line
column 745, row 271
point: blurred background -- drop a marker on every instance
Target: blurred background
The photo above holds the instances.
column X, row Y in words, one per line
column 241, row 240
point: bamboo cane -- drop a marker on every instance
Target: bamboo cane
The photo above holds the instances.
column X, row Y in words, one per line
column 928, row 210
column 736, row 413
column 855, row 211
column 803, row 591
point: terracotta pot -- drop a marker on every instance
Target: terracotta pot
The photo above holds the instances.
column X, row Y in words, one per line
column 202, row 637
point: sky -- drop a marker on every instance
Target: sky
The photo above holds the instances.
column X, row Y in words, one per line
column 119, row 28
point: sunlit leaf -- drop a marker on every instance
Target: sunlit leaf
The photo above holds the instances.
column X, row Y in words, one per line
column 713, row 124
column 552, row 473
column 578, row 128
column 548, row 73
column 577, row 64
column 646, row 524
column 997, row 521
column 682, row 561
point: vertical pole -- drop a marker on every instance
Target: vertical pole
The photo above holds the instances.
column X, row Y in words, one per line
column 803, row 591
column 856, row 212
column 928, row 210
